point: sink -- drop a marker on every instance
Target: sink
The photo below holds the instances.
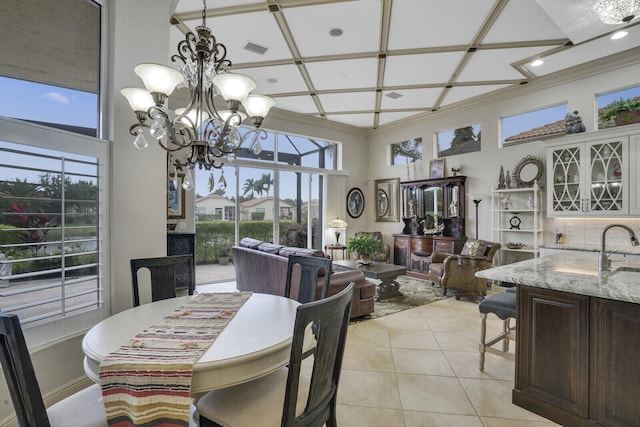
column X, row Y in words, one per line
column 627, row 274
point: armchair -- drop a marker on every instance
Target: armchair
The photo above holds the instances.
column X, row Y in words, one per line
column 383, row 256
column 457, row 271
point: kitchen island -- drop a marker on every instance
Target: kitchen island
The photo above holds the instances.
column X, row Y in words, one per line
column 578, row 339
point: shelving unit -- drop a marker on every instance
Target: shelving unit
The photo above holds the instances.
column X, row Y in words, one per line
column 517, row 218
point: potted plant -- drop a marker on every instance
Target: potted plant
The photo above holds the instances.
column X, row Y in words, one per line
column 365, row 246
column 622, row 112
column 223, row 256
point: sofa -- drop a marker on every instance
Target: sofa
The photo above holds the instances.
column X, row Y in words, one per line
column 262, row 267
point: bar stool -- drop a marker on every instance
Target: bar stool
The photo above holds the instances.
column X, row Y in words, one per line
column 504, row 306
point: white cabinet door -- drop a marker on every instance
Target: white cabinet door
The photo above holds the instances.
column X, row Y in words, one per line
column 589, row 178
column 634, row 175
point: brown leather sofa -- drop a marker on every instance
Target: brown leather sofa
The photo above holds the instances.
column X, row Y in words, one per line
column 262, row 267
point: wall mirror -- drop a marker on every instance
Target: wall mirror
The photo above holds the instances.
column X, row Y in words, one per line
column 387, row 200
column 433, row 206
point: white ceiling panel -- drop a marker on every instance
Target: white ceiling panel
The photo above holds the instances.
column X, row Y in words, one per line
column 354, row 73
column 495, row 64
column 411, row 98
column 276, row 79
column 358, row 20
column 433, row 23
column 537, row 25
column 430, row 68
column 352, row 101
column 258, row 27
column 300, row 104
column 429, row 44
column 459, row 93
column 359, row 120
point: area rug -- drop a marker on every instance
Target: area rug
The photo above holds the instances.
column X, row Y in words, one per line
column 414, row 293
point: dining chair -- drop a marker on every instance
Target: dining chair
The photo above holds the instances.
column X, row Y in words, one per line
column 310, row 268
column 292, row 395
column 82, row 409
column 163, row 276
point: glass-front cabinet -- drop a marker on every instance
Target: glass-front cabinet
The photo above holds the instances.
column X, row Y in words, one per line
column 588, row 178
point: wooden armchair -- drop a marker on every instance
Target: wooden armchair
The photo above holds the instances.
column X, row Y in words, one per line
column 383, row 256
column 457, row 271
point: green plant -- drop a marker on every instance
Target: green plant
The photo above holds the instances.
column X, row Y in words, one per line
column 364, row 245
column 622, row 105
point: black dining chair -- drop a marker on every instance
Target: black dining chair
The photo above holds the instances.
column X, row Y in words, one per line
column 82, row 409
column 291, row 396
column 164, row 272
column 308, row 270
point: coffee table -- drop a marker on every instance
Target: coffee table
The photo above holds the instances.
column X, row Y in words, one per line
column 387, row 273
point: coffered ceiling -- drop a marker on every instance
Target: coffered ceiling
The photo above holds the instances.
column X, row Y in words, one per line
column 368, row 63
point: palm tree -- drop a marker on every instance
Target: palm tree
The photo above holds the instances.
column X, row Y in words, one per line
column 249, row 187
column 265, row 182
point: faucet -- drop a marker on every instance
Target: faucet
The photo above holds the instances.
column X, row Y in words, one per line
column 603, row 259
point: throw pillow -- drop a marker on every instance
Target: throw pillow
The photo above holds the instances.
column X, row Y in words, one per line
column 474, row 248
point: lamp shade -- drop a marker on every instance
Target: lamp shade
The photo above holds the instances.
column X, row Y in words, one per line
column 258, row 105
column 191, row 117
column 139, row 99
column 337, row 223
column 225, row 114
column 233, row 87
column 159, row 78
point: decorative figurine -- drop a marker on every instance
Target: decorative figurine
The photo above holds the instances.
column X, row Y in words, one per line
column 573, row 123
column 501, row 178
column 507, row 180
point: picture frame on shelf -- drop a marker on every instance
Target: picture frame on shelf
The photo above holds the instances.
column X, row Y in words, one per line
column 175, row 197
column 436, row 168
column 355, row 202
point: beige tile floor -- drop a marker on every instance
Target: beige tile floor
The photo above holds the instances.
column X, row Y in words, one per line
column 419, row 367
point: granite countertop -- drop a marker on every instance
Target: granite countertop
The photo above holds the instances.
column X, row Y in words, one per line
column 626, row 250
column 572, row 273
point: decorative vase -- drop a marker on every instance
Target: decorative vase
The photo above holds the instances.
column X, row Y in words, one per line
column 627, row 117
column 507, row 181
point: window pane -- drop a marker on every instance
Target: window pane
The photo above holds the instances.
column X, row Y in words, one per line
column 406, row 151
column 627, row 100
column 459, row 141
column 303, row 151
column 534, row 125
column 49, row 233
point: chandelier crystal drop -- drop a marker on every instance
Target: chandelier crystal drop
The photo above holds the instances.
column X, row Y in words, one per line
column 617, row 11
column 209, row 136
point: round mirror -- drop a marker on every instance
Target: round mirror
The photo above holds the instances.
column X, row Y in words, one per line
column 529, row 171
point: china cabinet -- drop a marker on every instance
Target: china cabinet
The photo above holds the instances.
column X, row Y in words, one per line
column 433, row 212
column 589, row 178
column 517, row 222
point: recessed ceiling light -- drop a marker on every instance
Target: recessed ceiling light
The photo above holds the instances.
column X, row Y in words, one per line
column 335, row 32
column 537, row 63
column 619, row 34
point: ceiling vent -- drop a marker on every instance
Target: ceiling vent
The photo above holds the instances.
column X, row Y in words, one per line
column 274, row 8
column 394, row 95
column 255, row 48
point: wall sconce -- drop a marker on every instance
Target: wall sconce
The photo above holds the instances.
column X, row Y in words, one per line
column 337, row 225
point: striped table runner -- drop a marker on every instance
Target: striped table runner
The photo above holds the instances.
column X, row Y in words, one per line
column 147, row 382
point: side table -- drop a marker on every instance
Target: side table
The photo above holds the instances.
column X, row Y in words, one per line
column 329, row 250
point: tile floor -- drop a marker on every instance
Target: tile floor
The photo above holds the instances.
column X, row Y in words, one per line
column 419, row 367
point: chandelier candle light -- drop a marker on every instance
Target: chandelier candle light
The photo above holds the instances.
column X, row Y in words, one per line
column 209, row 135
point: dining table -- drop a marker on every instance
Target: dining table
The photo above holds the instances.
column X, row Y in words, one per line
column 256, row 342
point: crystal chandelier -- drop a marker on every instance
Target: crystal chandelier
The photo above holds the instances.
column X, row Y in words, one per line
column 209, row 135
column 617, row 11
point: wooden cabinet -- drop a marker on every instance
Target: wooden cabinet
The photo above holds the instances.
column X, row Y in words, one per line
column 589, row 178
column 517, row 219
column 577, row 358
column 414, row 251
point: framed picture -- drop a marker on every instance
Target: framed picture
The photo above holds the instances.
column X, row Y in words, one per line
column 355, row 202
column 436, row 168
column 387, row 200
column 175, row 196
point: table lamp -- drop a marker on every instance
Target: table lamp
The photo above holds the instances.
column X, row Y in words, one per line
column 337, row 225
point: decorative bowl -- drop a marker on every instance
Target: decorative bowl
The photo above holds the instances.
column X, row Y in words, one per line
column 512, row 245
